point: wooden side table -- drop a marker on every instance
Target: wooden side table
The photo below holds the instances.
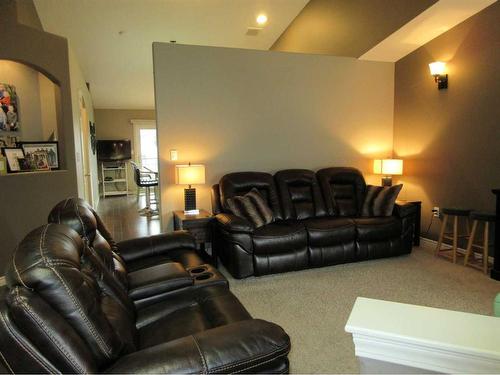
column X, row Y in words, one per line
column 199, row 227
column 418, row 219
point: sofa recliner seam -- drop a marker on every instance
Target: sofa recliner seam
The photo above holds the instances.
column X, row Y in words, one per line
column 251, row 359
column 26, row 349
column 44, row 327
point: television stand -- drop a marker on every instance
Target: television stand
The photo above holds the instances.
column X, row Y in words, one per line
column 114, row 178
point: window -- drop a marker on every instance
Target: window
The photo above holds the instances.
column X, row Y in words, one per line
column 145, row 144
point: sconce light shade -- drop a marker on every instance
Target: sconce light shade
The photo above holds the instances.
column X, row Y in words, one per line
column 388, row 168
column 437, row 69
column 190, row 174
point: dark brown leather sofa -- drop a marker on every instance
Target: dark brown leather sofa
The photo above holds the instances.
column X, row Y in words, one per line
column 69, row 306
column 317, row 222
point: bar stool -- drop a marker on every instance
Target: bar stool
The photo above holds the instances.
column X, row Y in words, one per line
column 479, row 217
column 453, row 213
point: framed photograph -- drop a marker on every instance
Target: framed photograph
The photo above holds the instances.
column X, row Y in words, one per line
column 12, row 154
column 24, row 165
column 40, row 160
column 9, row 116
column 51, row 148
column 8, row 141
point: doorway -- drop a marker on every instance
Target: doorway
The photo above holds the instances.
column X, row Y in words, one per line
column 88, row 192
column 145, row 144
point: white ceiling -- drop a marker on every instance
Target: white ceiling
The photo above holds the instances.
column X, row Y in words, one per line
column 434, row 21
column 119, row 67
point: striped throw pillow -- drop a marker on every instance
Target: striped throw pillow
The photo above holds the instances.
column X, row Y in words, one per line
column 251, row 207
column 379, row 200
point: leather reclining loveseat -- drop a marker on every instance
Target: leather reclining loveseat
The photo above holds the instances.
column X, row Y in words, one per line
column 148, row 268
column 68, row 307
column 317, row 222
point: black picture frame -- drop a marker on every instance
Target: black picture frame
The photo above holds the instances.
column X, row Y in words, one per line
column 11, row 166
column 54, row 161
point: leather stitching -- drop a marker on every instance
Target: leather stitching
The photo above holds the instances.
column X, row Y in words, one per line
column 41, row 324
column 77, row 212
column 203, row 361
column 251, row 359
column 261, row 363
column 6, row 363
column 26, row 349
column 89, row 324
column 16, row 269
column 104, row 347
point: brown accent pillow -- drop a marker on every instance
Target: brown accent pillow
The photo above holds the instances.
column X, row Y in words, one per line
column 379, row 200
column 252, row 207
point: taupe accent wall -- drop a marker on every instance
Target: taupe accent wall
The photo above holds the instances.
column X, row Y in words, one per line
column 450, row 139
column 26, row 199
column 243, row 110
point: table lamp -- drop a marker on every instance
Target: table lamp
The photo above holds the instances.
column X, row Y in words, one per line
column 190, row 174
column 388, row 168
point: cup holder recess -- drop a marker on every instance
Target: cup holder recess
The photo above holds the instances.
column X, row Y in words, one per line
column 204, row 276
column 198, row 270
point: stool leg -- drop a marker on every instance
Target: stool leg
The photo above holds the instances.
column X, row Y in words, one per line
column 486, row 246
column 148, row 197
column 468, row 253
column 455, row 238
column 441, row 234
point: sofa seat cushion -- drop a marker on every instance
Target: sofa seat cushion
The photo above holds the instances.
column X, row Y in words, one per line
column 186, row 257
column 158, row 279
column 279, row 237
column 331, row 241
column 187, row 314
column 329, row 230
column 377, row 228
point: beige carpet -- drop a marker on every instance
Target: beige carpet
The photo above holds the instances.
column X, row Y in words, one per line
column 313, row 305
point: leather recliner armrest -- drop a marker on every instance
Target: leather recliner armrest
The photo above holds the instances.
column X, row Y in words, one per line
column 234, row 224
column 404, row 209
column 144, row 247
column 238, row 347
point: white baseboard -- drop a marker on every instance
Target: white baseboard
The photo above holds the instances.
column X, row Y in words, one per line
column 431, row 244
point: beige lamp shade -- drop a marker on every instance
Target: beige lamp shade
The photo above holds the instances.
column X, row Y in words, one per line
column 190, row 174
column 437, row 68
column 388, row 166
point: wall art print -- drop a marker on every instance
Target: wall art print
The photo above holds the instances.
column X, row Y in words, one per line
column 9, row 115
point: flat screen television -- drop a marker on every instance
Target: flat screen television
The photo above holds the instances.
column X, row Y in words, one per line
column 114, row 150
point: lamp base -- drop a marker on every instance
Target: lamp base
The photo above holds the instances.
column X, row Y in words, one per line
column 387, row 181
column 189, row 199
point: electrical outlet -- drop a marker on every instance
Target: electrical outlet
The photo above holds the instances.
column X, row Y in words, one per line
column 436, row 212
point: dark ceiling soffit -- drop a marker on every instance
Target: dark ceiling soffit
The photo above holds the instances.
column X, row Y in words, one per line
column 346, row 27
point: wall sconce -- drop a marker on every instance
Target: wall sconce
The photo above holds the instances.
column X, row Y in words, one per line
column 389, row 168
column 190, row 174
column 437, row 70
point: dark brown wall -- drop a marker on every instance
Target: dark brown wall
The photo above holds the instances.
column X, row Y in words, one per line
column 450, row 139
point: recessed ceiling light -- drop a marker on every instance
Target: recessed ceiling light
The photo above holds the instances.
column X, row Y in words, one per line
column 261, row 19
